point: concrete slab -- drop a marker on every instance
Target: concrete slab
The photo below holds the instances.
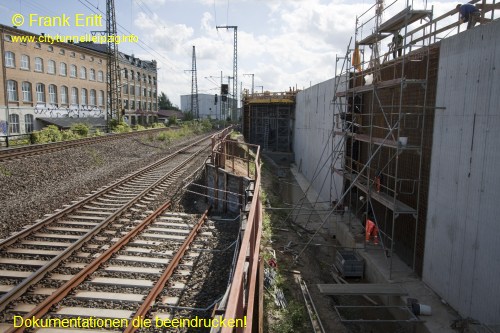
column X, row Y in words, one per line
column 5, row 327
column 158, row 236
column 45, row 244
column 170, row 300
column 141, row 242
column 44, row 291
column 170, row 218
column 109, row 296
column 61, row 277
column 4, row 288
column 174, row 224
column 14, row 274
column 75, row 265
column 33, row 251
column 94, row 212
column 12, row 261
column 143, row 259
column 85, row 223
column 123, row 282
column 169, row 230
column 86, row 217
column 24, row 307
column 134, row 269
column 56, row 236
column 68, row 229
column 144, row 250
column 94, row 312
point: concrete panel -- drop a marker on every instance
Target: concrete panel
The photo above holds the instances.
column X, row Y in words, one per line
column 315, row 146
column 461, row 249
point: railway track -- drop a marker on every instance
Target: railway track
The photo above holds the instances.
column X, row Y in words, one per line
column 85, row 230
column 31, row 150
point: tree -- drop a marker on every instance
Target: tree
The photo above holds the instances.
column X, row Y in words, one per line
column 165, row 104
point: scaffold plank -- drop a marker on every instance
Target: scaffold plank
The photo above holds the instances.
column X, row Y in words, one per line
column 362, row 289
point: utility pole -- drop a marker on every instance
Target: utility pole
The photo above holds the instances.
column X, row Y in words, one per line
column 235, row 64
column 252, row 80
column 194, row 88
column 114, row 98
column 195, row 110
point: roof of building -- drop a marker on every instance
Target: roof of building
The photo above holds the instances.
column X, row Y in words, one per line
column 124, row 58
column 65, row 123
column 170, row 113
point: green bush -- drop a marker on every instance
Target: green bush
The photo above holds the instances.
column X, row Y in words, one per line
column 98, row 132
column 50, row 133
column 158, row 125
column 69, row 135
column 121, row 127
column 82, row 130
column 172, row 120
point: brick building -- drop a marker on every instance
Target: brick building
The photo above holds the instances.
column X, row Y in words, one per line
column 42, row 80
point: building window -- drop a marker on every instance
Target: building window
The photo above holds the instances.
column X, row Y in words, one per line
column 143, row 77
column 26, row 87
column 149, row 79
column 125, row 72
column 91, row 59
column 131, row 74
column 144, row 92
column 64, row 95
column 28, row 123
column 74, row 95
column 137, row 91
column 38, row 64
column 7, row 38
column 50, row 48
column 52, row 94
column 100, row 76
column 25, row 62
column 125, row 104
column 101, row 98
column 10, row 59
column 11, row 91
column 51, row 67
column 72, row 54
column 61, row 51
column 83, row 98
column 83, row 73
column 14, row 123
column 92, row 97
column 73, row 71
column 82, row 56
column 132, row 90
column 125, row 89
column 92, row 74
column 40, row 92
column 38, row 46
column 63, row 69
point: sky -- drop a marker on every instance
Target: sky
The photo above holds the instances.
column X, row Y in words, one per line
column 283, row 43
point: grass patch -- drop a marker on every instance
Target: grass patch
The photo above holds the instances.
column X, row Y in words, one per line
column 4, row 171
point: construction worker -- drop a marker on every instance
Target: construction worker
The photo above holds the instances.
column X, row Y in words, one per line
column 397, row 45
column 378, row 180
column 371, row 230
column 469, row 13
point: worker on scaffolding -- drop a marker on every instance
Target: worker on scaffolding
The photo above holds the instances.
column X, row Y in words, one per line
column 371, row 230
column 469, row 13
column 397, row 45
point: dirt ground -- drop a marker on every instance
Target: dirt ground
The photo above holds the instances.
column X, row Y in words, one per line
column 285, row 239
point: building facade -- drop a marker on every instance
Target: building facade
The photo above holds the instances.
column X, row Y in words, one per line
column 42, row 80
column 209, row 107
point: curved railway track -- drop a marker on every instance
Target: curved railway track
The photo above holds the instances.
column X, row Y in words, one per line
column 83, row 231
column 31, row 150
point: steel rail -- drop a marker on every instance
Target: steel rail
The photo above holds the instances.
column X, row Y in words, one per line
column 42, row 271
column 158, row 287
column 43, row 307
column 36, row 149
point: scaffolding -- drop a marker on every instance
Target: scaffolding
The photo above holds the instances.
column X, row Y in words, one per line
column 386, row 113
column 267, row 120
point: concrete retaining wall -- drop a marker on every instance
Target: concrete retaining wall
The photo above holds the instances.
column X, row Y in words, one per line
column 462, row 248
column 314, row 143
